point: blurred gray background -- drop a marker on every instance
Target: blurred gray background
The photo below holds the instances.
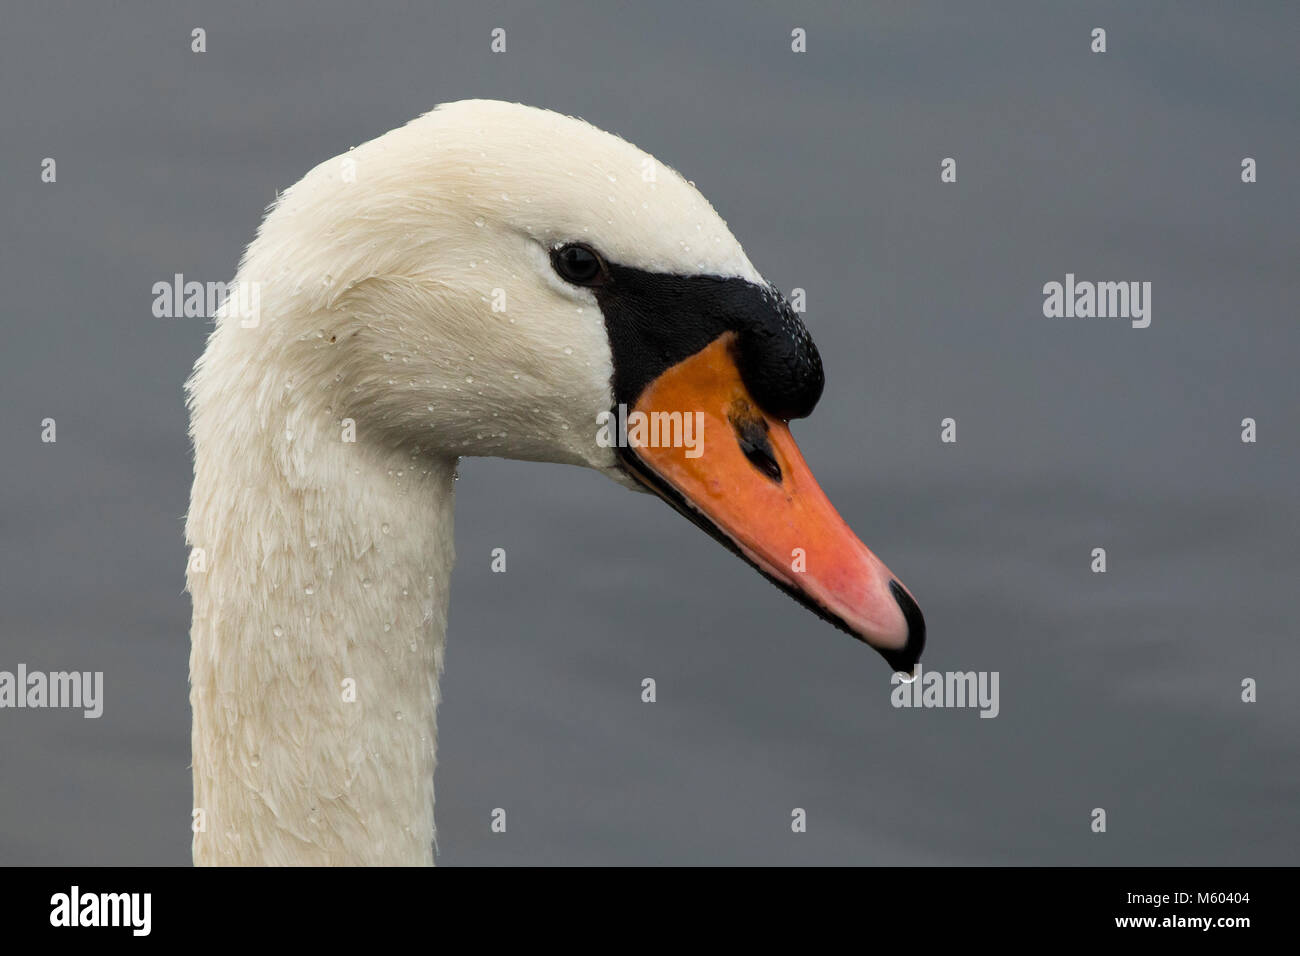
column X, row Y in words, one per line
column 1119, row 690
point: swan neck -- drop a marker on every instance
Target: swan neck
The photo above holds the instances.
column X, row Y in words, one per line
column 320, row 606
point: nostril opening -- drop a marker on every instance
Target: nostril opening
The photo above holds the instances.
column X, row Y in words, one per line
column 761, row 458
column 751, row 434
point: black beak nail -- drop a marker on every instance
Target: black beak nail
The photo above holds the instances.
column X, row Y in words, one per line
column 904, row 660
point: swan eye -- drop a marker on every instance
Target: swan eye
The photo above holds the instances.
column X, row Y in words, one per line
column 578, row 264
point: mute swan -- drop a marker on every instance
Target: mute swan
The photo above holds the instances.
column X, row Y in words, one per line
column 486, row 280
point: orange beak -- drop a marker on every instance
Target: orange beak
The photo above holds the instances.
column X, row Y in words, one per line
column 742, row 479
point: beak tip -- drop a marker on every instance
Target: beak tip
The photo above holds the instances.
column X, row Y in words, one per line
column 904, row 659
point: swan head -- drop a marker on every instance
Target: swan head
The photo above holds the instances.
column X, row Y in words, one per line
column 494, row 279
